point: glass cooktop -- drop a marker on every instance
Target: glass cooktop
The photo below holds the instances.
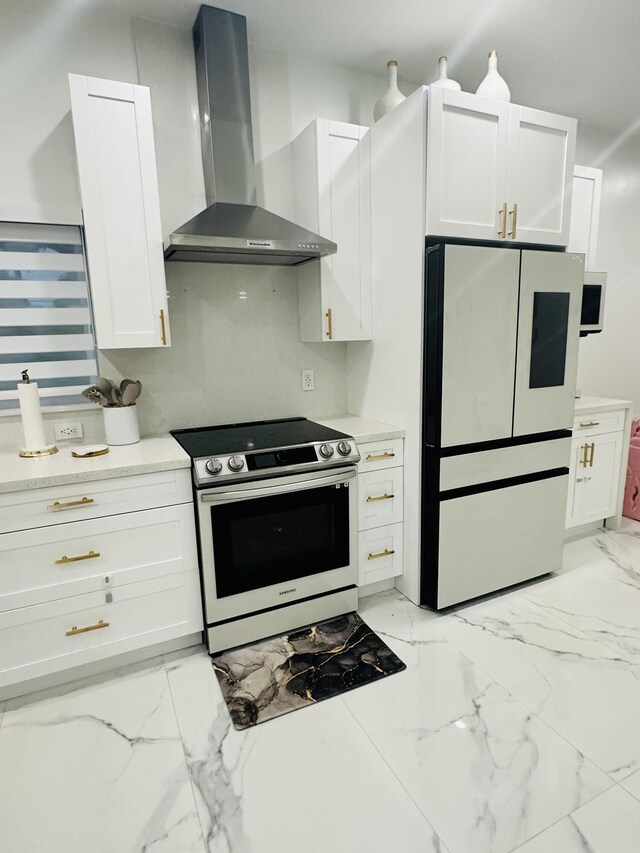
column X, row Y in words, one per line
column 256, row 435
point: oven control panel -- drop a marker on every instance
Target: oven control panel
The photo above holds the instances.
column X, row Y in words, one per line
column 267, row 463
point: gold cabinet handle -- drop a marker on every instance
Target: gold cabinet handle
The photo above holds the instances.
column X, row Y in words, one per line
column 585, row 455
column 90, row 556
column 329, row 316
column 386, row 553
column 591, row 454
column 74, row 630
column 56, row 506
column 502, row 232
column 384, row 497
column 372, row 457
column 514, row 221
column 586, row 424
column 163, row 328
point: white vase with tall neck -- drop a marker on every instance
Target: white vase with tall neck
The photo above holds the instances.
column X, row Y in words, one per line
column 493, row 86
column 443, row 80
column 393, row 96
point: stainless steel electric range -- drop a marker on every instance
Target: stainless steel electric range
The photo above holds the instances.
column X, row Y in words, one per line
column 276, row 510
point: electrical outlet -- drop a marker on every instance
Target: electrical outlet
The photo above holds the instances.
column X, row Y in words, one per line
column 308, row 380
column 64, row 431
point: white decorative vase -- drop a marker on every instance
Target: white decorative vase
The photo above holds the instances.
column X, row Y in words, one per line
column 393, row 96
column 493, row 86
column 121, row 425
column 443, row 80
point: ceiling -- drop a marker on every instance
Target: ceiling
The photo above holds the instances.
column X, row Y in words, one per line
column 574, row 57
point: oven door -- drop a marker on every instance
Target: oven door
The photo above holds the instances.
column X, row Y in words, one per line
column 271, row 542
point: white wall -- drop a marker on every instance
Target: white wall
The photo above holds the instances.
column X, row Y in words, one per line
column 232, row 358
column 607, row 366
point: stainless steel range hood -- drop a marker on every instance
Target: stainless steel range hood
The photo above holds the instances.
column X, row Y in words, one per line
column 233, row 229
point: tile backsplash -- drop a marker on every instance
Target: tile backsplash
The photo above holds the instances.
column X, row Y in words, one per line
column 235, row 353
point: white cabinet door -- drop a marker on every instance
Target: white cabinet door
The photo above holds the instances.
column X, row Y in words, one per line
column 575, row 478
column 497, row 170
column 333, row 198
column 596, row 482
column 467, row 147
column 119, row 190
column 540, row 174
column 585, row 214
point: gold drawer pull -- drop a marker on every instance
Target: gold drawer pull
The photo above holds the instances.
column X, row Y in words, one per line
column 56, row 506
column 90, row 556
column 373, row 456
column 75, row 630
column 589, row 424
column 384, row 497
column 503, row 220
column 163, row 328
column 514, row 222
column 329, row 316
column 386, row 553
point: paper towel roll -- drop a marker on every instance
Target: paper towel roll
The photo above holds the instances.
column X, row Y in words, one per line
column 31, row 416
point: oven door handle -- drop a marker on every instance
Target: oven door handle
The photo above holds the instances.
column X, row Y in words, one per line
column 262, row 492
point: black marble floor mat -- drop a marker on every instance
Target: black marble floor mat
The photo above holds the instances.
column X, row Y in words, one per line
column 280, row 675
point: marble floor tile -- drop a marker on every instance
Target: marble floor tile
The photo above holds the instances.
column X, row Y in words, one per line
column 391, row 615
column 608, row 824
column 483, row 769
column 632, row 784
column 100, row 769
column 586, row 691
column 307, row 782
column 597, row 603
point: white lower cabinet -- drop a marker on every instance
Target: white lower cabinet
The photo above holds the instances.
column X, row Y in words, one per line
column 380, row 553
column 75, row 591
column 380, row 511
column 49, row 637
column 594, row 477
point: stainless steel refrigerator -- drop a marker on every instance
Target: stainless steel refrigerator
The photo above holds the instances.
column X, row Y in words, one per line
column 500, row 359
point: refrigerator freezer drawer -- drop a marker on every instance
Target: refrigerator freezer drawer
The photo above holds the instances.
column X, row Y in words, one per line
column 492, row 540
column 471, row 469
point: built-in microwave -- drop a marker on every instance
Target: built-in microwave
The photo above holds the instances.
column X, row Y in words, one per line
column 593, row 292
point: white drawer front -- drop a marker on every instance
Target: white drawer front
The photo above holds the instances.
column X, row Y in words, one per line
column 71, row 559
column 380, row 553
column 62, row 504
column 598, row 422
column 34, row 641
column 380, row 454
column 379, row 498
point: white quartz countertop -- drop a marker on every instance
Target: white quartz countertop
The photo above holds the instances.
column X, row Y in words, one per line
column 600, row 404
column 362, row 429
column 161, row 453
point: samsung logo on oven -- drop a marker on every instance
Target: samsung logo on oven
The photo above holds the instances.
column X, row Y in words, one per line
column 286, row 591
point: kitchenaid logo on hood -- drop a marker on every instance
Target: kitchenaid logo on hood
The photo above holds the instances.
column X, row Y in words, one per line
column 259, row 244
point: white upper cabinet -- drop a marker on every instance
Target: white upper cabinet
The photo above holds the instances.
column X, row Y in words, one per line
column 497, row 171
column 467, row 146
column 333, row 199
column 119, row 190
column 585, row 214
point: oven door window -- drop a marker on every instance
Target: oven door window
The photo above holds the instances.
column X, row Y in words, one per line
column 278, row 538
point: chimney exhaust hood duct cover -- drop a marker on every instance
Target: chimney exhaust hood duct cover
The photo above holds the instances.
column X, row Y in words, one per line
column 233, row 229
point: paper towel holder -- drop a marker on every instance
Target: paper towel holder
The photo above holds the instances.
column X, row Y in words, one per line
column 32, row 420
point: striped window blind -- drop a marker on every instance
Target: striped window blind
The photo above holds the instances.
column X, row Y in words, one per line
column 45, row 315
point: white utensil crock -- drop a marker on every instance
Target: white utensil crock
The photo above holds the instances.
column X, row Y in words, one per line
column 121, row 425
